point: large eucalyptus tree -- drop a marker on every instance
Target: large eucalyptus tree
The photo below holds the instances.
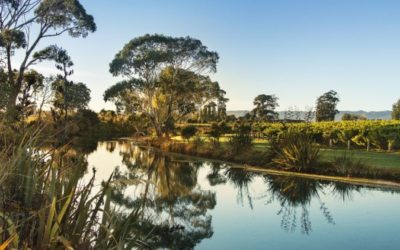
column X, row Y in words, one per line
column 165, row 77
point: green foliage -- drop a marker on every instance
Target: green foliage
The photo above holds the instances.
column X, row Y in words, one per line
column 353, row 117
column 217, row 130
column 368, row 133
column 188, row 132
column 164, row 78
column 241, row 139
column 346, row 135
column 122, row 95
column 12, row 38
column 67, row 95
column 66, row 15
column 149, row 52
column 59, row 56
column 46, row 206
column 70, row 95
column 326, row 106
column 396, row 111
column 295, row 149
column 34, row 21
column 265, row 108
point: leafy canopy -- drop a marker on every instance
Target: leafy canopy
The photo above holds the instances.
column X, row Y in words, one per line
column 326, row 106
column 164, row 78
column 265, row 106
column 147, row 55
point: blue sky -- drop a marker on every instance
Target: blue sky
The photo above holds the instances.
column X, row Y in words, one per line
column 294, row 49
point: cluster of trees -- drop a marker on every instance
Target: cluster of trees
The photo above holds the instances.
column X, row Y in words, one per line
column 325, row 110
column 56, row 100
column 265, row 109
column 23, row 25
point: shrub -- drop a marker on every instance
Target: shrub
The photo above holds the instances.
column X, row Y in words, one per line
column 242, row 138
column 217, row 130
column 188, row 132
column 295, row 150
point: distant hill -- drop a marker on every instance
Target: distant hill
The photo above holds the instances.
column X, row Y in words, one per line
column 237, row 113
column 371, row 115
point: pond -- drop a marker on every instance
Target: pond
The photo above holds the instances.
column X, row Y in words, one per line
column 203, row 204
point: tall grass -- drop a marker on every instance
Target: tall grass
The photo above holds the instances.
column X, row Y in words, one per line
column 45, row 205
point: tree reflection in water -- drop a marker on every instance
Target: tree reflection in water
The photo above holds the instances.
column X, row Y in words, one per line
column 241, row 180
column 293, row 194
column 215, row 177
column 296, row 194
column 173, row 208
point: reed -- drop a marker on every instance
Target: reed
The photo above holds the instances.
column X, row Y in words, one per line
column 44, row 204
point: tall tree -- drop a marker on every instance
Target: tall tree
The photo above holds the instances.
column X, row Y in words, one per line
column 23, row 24
column 396, row 110
column 32, row 84
column 68, row 96
column 163, row 76
column 265, row 106
column 326, row 106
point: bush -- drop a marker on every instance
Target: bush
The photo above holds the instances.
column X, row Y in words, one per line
column 188, row 132
column 217, row 130
column 295, row 150
column 242, row 138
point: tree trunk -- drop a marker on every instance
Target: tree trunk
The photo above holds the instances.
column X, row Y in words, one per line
column 11, row 112
column 348, row 144
column 157, row 128
column 368, row 145
column 17, row 84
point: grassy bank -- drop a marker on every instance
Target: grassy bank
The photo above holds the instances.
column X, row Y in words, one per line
column 336, row 163
column 377, row 159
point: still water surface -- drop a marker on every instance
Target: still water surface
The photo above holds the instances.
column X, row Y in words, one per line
column 209, row 205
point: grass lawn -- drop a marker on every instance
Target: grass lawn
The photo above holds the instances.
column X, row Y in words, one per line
column 375, row 159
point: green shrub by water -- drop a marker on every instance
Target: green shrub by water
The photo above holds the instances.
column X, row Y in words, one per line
column 295, row 150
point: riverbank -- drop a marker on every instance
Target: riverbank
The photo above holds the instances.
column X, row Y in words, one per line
column 253, row 159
